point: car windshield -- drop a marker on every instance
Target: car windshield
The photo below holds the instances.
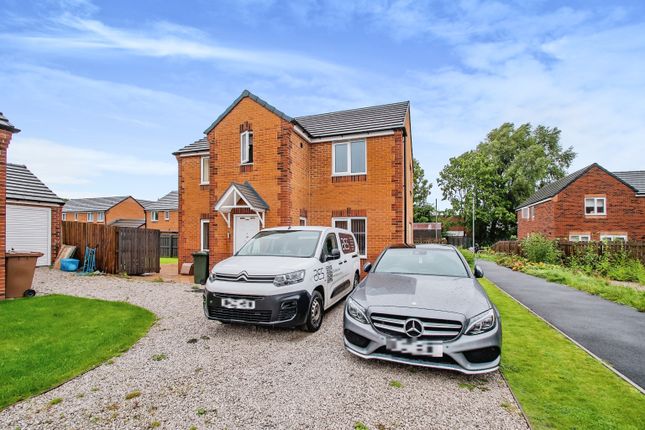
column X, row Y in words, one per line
column 418, row 261
column 282, row 243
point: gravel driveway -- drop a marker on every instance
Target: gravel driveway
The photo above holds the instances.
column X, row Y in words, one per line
column 227, row 376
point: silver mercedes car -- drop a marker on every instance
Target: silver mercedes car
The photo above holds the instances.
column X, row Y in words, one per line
column 422, row 305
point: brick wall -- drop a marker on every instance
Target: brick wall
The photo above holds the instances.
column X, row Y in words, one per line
column 564, row 214
column 126, row 209
column 168, row 226
column 5, row 138
column 193, row 205
column 57, row 233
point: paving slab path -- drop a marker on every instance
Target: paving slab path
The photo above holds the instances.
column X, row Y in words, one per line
column 613, row 332
column 217, row 376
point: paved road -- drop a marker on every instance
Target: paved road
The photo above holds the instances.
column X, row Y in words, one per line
column 613, row 332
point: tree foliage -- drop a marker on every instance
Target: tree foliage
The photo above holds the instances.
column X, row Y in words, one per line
column 504, row 170
column 422, row 187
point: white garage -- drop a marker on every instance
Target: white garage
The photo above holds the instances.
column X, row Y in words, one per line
column 30, row 206
column 29, row 229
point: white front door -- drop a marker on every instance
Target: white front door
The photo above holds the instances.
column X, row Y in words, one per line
column 245, row 227
column 29, row 229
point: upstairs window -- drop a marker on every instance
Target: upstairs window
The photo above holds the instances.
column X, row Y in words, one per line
column 349, row 158
column 167, row 216
column 100, row 216
column 204, row 170
column 303, row 221
column 246, row 147
column 525, row 213
column 595, row 206
column 75, row 216
column 154, row 216
column 64, row 216
column 90, row 217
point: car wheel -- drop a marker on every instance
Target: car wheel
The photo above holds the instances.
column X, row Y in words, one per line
column 315, row 314
column 357, row 279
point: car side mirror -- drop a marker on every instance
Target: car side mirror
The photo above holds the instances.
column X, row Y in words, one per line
column 479, row 273
column 335, row 254
column 367, row 267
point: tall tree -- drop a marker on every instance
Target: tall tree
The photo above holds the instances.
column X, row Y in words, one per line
column 504, row 169
column 420, row 192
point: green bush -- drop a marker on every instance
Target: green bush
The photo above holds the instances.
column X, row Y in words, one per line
column 617, row 265
column 469, row 256
column 539, row 249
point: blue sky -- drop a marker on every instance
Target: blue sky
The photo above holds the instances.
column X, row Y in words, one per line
column 105, row 91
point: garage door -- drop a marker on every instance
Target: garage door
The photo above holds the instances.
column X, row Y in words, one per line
column 29, row 229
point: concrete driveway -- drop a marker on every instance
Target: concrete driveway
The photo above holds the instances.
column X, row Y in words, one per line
column 227, row 376
column 613, row 332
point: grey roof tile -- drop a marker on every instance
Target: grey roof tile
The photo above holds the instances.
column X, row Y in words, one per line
column 6, row 125
column 252, row 196
column 635, row 178
column 24, row 185
column 200, row 145
column 367, row 119
column 169, row 202
column 92, row 204
column 130, row 223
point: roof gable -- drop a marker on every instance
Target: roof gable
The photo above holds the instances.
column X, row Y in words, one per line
column 258, row 100
column 22, row 184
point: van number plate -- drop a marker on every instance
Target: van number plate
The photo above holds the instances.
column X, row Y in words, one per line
column 230, row 303
column 415, row 347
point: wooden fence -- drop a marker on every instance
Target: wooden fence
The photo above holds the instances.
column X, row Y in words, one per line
column 428, row 236
column 168, row 244
column 634, row 249
column 118, row 250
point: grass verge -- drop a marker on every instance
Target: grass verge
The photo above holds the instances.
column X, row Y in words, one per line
column 558, row 384
column 168, row 260
column 48, row 340
column 573, row 278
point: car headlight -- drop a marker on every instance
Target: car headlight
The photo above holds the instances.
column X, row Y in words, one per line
column 481, row 323
column 356, row 311
column 289, row 278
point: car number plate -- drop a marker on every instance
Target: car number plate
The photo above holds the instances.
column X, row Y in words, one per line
column 415, row 347
column 231, row 303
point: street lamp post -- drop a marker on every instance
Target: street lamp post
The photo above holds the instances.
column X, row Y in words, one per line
column 474, row 250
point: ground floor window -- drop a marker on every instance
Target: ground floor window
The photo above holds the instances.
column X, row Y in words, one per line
column 358, row 226
column 579, row 237
column 303, row 221
column 204, row 234
column 611, row 237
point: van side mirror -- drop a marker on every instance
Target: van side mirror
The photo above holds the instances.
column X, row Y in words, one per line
column 335, row 254
column 367, row 267
column 479, row 273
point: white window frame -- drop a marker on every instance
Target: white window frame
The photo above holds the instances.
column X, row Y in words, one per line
column 302, row 218
column 583, row 237
column 154, row 216
column 595, row 206
column 202, row 181
column 90, row 217
column 245, row 138
column 167, row 215
column 532, row 212
column 613, row 237
column 348, row 172
column 100, row 216
column 525, row 212
column 201, row 233
column 75, row 216
column 349, row 228
column 64, row 216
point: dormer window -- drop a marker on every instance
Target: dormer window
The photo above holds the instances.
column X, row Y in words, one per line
column 246, row 147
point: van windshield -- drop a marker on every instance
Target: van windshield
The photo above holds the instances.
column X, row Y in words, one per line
column 282, row 243
column 419, row 261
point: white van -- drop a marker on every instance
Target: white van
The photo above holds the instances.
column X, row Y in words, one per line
column 285, row 276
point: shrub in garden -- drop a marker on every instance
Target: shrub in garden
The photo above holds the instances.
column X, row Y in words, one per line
column 540, row 249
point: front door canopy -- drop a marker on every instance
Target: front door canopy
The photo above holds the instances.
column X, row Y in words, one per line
column 241, row 196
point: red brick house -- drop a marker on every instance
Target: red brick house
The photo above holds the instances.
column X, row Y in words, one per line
column 589, row 204
column 163, row 214
column 258, row 167
column 7, row 130
column 118, row 211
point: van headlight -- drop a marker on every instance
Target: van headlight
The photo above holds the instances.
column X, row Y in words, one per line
column 289, row 278
column 481, row 323
column 356, row 311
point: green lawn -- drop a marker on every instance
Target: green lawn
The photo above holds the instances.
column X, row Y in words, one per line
column 45, row 341
column 168, row 260
column 558, row 384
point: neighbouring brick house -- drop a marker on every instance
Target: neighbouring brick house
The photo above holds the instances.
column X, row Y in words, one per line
column 7, row 130
column 162, row 214
column 258, row 167
column 589, row 204
column 119, row 211
column 33, row 215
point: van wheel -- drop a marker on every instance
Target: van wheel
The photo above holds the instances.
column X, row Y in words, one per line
column 357, row 279
column 315, row 315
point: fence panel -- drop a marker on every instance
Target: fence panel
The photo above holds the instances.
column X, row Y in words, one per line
column 635, row 249
column 138, row 251
column 101, row 237
column 168, row 244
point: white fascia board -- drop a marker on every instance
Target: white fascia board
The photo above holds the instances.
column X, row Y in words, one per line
column 533, row 204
